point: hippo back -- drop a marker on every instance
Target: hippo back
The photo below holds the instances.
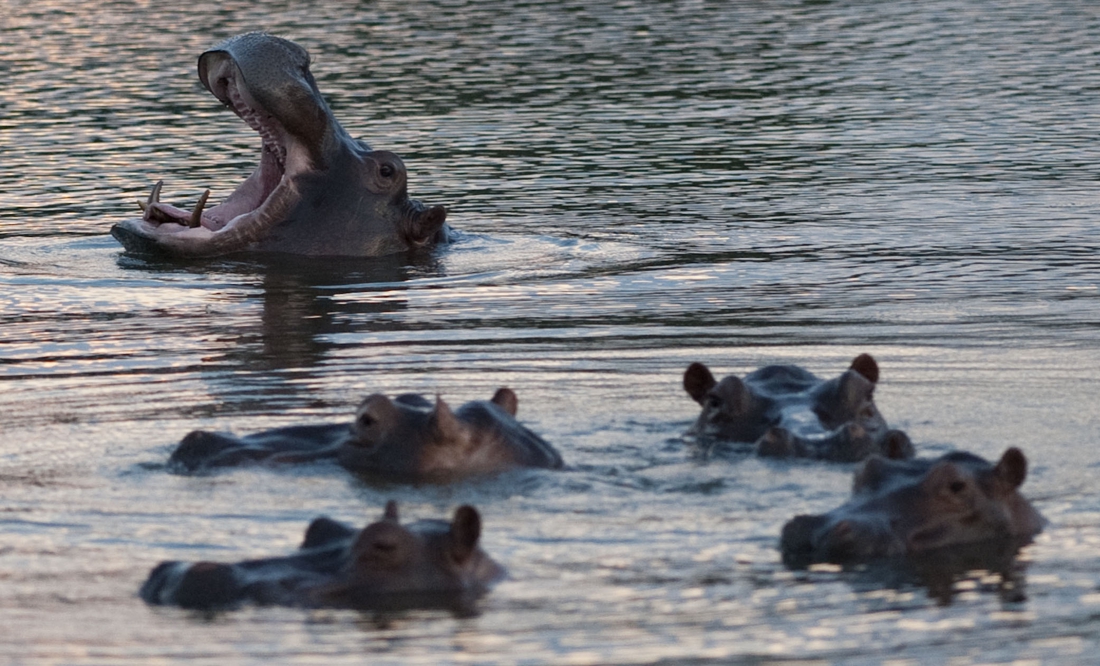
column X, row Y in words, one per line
column 526, row 448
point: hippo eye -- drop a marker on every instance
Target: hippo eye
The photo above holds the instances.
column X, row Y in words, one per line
column 386, row 170
column 957, row 487
column 365, row 420
column 714, row 402
column 384, row 546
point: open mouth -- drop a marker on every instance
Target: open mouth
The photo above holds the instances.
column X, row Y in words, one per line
column 256, row 192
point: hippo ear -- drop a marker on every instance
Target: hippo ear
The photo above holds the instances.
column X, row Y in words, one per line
column 866, row 366
column 697, row 381
column 445, row 425
column 1012, row 467
column 376, row 416
column 854, row 389
column 465, row 532
column 897, row 445
column 390, row 513
column 506, row 399
column 423, row 226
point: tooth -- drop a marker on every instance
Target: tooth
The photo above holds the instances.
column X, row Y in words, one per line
column 196, row 215
column 154, row 197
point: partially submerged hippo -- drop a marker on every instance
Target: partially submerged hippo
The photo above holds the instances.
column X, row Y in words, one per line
column 784, row 410
column 408, row 438
column 385, row 565
column 317, row 191
column 902, row 507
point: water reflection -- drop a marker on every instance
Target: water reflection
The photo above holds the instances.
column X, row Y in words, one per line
column 300, row 300
column 288, row 316
column 776, row 182
column 302, row 309
column 989, row 566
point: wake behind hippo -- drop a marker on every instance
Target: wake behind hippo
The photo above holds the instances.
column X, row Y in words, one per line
column 386, row 565
column 783, row 410
column 406, row 439
column 907, row 507
column 316, row 191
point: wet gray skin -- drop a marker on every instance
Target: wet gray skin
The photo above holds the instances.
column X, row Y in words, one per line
column 783, row 410
column 406, row 439
column 901, row 507
column 317, row 191
column 385, row 565
column 412, row 438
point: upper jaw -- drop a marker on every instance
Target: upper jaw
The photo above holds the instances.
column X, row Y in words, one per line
column 224, row 80
column 281, row 158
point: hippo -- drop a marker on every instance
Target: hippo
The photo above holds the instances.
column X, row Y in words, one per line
column 384, row 566
column 784, row 410
column 405, row 439
column 918, row 506
column 316, row 191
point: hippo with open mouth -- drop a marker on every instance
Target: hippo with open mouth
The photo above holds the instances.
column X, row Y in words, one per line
column 405, row 439
column 905, row 507
column 316, row 192
column 384, row 566
column 783, row 410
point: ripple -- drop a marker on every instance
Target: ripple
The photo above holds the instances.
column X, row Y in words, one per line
column 637, row 185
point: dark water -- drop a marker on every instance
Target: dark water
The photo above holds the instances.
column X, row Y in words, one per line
column 639, row 185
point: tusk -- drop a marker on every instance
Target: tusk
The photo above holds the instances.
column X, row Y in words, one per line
column 154, row 197
column 196, row 215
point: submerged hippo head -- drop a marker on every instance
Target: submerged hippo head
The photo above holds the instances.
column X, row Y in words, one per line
column 316, row 191
column 407, row 439
column 410, row 437
column 428, row 557
column 900, row 507
column 786, row 411
column 384, row 565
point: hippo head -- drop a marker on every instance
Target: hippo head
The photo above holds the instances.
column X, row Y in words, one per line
column 427, row 557
column 384, row 565
column 784, row 410
column 411, row 438
column 901, row 507
column 316, row 190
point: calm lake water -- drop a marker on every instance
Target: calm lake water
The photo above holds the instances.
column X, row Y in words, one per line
column 638, row 185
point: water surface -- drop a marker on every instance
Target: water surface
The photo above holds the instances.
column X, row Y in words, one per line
column 638, row 185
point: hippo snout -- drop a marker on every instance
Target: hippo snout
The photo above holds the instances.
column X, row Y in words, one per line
column 797, row 540
column 199, row 585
